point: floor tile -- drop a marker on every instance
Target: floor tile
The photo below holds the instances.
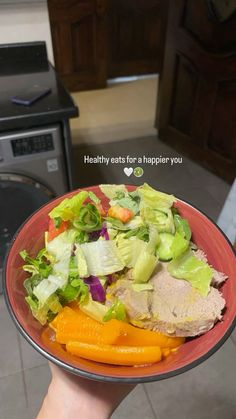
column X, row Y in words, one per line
column 135, row 406
column 15, row 413
column 206, row 392
column 33, row 410
column 37, row 381
column 30, row 357
column 233, row 336
column 12, row 397
column 9, row 344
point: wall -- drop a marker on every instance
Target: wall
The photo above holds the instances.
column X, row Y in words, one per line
column 25, row 21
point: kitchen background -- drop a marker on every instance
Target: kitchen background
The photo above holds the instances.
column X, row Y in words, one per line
column 154, row 78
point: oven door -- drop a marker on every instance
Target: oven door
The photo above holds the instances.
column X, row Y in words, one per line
column 20, row 196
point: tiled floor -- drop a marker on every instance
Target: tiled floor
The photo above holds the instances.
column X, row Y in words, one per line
column 207, row 392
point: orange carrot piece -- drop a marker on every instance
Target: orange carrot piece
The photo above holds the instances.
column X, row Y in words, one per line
column 165, row 352
column 133, row 336
column 75, row 325
column 116, row 355
column 120, row 213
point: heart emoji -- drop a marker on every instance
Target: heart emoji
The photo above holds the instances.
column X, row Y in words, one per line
column 128, row 171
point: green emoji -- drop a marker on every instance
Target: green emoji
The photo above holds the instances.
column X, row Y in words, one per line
column 138, row 171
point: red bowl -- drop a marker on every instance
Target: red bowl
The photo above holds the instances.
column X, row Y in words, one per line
column 205, row 234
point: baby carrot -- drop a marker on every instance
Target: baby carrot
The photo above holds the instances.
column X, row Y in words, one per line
column 133, row 336
column 75, row 325
column 116, row 355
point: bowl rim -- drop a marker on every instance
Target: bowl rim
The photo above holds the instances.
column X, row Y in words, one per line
column 101, row 377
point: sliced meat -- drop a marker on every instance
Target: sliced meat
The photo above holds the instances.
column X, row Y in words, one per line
column 218, row 277
column 174, row 307
column 137, row 304
column 179, row 310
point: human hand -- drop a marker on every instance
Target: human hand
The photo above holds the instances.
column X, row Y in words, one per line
column 71, row 396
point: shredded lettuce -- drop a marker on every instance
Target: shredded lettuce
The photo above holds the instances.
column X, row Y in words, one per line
column 61, row 248
column 196, row 271
column 179, row 245
column 128, row 201
column 116, row 224
column 40, row 265
column 113, row 191
column 102, row 257
column 89, row 219
column 82, row 266
column 94, row 197
column 31, row 282
column 154, row 239
column 141, row 233
column 94, row 309
column 41, row 313
column 164, row 250
column 112, row 233
column 47, row 287
column 44, row 312
column 161, row 218
column 135, row 222
column 116, row 311
column 144, row 267
column 76, row 290
column 182, row 227
column 129, row 249
column 154, row 199
column 142, row 287
column 69, row 208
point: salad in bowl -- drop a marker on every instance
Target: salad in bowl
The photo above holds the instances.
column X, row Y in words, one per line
column 122, row 283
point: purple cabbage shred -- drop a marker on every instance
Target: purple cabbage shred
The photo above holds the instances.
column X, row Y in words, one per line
column 96, row 289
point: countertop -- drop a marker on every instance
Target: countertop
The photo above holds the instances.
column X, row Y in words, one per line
column 58, row 105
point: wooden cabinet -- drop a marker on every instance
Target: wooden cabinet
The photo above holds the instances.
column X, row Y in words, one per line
column 134, row 45
column 197, row 95
column 79, row 35
column 94, row 40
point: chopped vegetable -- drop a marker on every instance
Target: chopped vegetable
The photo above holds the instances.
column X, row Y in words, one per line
column 111, row 191
column 129, row 201
column 154, row 199
column 142, row 287
column 96, row 289
column 134, row 336
column 121, row 214
column 196, row 271
column 129, row 249
column 141, row 233
column 73, row 325
column 89, row 219
column 116, row 355
column 94, row 197
column 82, row 267
column 179, row 245
column 161, row 218
column 164, row 249
column 116, row 311
column 54, row 229
column 102, row 257
column 47, row 287
column 144, row 267
column 182, row 227
column 39, row 265
column 69, row 208
column 94, row 309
